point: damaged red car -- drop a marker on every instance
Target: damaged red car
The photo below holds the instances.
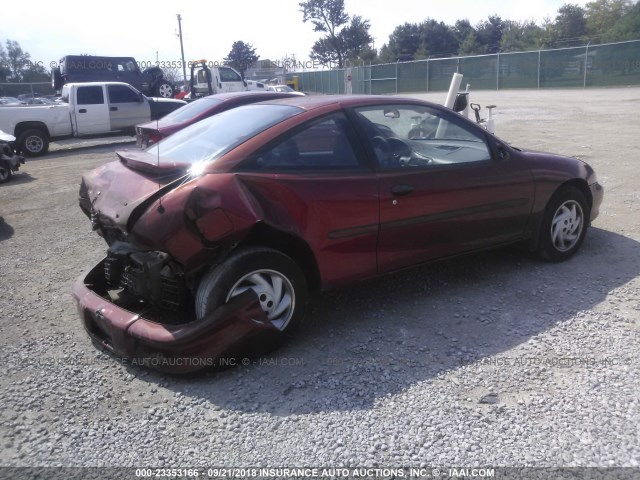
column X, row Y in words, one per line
column 217, row 234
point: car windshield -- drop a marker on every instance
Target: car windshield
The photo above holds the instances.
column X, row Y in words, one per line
column 211, row 138
column 191, row 110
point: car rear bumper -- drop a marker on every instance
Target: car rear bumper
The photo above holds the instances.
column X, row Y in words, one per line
column 217, row 340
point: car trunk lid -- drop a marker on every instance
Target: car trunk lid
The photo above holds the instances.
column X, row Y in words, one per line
column 109, row 194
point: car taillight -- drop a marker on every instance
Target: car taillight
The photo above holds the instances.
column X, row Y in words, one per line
column 154, row 138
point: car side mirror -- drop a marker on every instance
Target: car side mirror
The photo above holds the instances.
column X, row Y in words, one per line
column 501, row 152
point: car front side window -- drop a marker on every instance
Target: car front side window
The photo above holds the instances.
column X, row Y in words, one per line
column 122, row 94
column 416, row 136
column 228, row 75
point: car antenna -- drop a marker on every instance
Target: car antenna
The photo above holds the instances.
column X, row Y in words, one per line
column 160, row 207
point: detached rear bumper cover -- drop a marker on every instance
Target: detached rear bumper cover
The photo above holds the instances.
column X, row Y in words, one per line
column 216, row 340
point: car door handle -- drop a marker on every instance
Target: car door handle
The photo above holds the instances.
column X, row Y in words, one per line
column 82, row 110
column 114, row 109
column 400, row 190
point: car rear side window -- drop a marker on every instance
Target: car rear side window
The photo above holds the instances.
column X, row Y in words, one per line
column 207, row 140
column 90, row 95
column 325, row 144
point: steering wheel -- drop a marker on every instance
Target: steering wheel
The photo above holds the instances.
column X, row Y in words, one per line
column 394, row 152
column 401, row 153
column 382, row 148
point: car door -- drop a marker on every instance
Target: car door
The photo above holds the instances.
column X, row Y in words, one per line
column 127, row 108
column 444, row 187
column 91, row 112
column 313, row 183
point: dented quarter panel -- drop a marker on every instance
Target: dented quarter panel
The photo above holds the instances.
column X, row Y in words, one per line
column 336, row 212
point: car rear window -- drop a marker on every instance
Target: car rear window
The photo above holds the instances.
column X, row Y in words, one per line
column 191, row 110
column 211, row 138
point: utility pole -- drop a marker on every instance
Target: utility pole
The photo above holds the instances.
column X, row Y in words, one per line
column 184, row 66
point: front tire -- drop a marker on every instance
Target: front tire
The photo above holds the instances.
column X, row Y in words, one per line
column 564, row 225
column 277, row 280
column 33, row 143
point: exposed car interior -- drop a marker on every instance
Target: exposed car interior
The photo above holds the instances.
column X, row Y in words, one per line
column 403, row 136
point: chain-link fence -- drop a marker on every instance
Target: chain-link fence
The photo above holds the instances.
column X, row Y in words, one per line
column 611, row 64
column 36, row 89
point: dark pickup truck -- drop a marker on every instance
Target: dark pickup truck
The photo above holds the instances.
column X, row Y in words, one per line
column 89, row 68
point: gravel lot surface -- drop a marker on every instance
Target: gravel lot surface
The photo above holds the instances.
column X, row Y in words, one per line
column 497, row 359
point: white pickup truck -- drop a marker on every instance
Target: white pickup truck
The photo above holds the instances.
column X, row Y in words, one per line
column 87, row 109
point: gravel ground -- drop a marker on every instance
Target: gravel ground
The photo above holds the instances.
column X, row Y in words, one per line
column 496, row 359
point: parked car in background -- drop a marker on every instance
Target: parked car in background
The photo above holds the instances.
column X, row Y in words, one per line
column 40, row 101
column 11, row 101
column 283, row 89
column 89, row 109
column 9, row 161
column 254, row 85
column 90, row 68
column 151, row 132
column 232, row 221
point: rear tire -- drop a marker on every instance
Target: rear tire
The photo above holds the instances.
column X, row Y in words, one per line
column 276, row 278
column 164, row 89
column 564, row 225
column 33, row 143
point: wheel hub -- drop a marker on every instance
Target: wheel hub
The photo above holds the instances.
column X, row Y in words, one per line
column 33, row 144
column 567, row 225
column 275, row 294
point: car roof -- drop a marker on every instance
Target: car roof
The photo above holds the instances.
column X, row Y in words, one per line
column 246, row 93
column 85, row 84
column 312, row 102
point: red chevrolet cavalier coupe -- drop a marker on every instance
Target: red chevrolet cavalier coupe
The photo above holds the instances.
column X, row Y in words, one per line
column 218, row 233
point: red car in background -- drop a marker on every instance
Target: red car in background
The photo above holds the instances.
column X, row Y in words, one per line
column 217, row 235
column 151, row 132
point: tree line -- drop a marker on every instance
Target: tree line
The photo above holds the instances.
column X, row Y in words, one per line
column 346, row 38
column 16, row 65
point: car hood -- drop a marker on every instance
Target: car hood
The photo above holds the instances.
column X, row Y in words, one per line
column 5, row 137
column 551, row 164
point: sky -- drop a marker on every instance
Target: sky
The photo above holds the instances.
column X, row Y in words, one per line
column 148, row 30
